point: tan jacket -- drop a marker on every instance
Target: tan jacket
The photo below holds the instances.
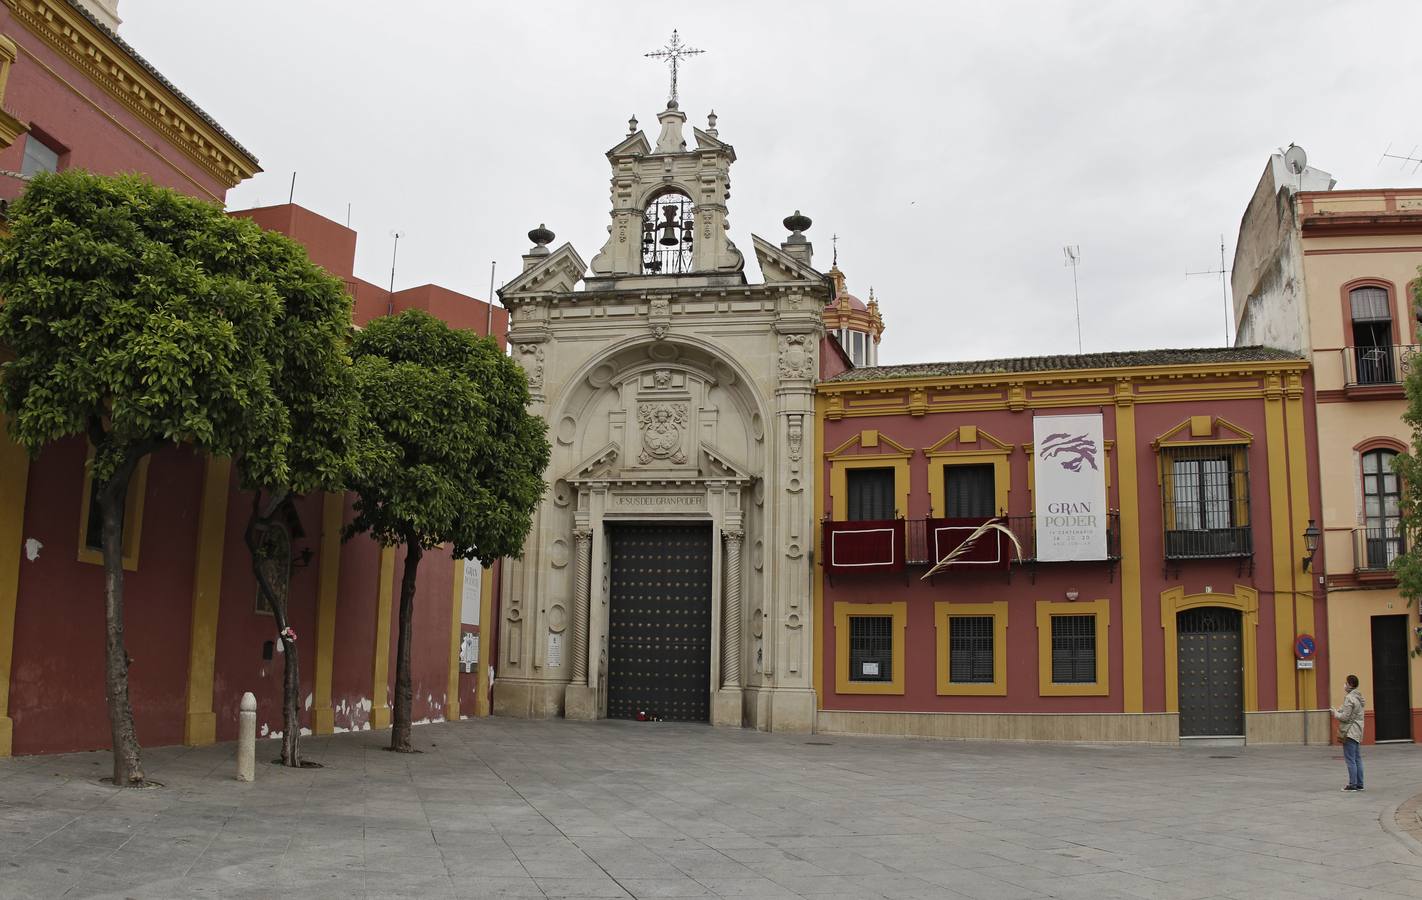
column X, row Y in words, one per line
column 1350, row 716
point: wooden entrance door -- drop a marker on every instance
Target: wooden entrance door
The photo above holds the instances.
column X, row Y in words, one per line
column 1392, row 713
column 659, row 635
column 1211, row 671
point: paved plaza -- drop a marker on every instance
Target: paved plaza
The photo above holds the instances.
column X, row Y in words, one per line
column 618, row 809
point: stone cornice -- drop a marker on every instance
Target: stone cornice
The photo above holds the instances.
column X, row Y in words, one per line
column 114, row 67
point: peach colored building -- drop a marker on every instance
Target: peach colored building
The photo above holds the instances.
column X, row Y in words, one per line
column 1331, row 274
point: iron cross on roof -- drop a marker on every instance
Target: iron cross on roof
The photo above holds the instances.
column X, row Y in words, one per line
column 674, row 52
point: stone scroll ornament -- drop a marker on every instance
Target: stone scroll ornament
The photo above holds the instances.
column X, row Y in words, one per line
column 662, row 427
column 531, row 356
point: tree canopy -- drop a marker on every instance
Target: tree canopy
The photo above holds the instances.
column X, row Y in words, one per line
column 1409, row 468
column 450, row 454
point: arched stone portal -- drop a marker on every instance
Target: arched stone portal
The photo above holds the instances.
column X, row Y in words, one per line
column 678, row 401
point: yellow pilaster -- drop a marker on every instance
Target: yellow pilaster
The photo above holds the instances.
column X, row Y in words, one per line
column 200, row 723
column 14, row 480
column 451, row 692
column 817, row 602
column 333, row 509
column 380, row 668
column 1132, row 637
column 1298, row 498
column 486, row 642
column 1280, row 526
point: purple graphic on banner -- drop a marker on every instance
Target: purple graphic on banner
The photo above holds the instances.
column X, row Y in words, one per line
column 1077, row 448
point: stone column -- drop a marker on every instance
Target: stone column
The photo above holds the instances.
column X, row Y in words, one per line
column 731, row 636
column 582, row 560
column 580, row 699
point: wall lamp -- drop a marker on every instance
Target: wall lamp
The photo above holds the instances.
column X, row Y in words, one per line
column 1311, row 535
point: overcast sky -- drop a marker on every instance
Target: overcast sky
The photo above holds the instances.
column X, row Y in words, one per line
column 955, row 148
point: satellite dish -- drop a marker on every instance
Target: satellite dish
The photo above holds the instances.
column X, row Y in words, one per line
column 1296, row 159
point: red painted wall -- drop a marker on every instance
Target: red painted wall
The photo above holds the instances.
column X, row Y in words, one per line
column 97, row 131
column 57, row 688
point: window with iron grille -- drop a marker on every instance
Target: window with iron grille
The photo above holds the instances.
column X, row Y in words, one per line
column 1205, row 494
column 871, row 648
column 871, row 494
column 1073, row 649
column 970, row 650
column 968, row 491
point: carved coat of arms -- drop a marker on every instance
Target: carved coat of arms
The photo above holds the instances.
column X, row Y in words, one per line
column 663, row 425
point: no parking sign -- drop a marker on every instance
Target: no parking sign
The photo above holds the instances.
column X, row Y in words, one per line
column 1304, row 649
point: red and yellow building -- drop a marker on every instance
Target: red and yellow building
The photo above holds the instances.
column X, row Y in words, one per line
column 1185, row 628
column 75, row 95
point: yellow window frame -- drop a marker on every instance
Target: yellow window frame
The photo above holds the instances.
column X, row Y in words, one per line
column 1101, row 609
column 841, row 461
column 943, row 613
column 132, row 515
column 990, row 451
column 843, row 612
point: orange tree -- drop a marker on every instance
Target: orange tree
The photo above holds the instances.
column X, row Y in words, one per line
column 449, row 455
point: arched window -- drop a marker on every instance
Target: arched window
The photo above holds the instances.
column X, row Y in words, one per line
column 1382, row 515
column 1370, row 309
column 667, row 232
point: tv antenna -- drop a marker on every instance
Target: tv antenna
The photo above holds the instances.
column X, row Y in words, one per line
column 1223, row 271
column 390, row 300
column 1403, row 159
column 1072, row 252
column 1295, row 160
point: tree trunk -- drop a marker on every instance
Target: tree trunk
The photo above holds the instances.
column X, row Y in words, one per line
column 260, row 527
column 128, row 767
column 400, row 720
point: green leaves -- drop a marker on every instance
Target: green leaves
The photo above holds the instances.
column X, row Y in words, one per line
column 1409, row 470
column 448, row 452
column 163, row 319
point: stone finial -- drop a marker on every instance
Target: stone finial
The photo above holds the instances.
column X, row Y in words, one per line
column 541, row 238
column 711, row 124
column 632, row 125
column 797, row 245
column 797, row 225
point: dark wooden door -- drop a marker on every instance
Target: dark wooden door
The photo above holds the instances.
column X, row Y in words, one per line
column 1392, row 715
column 1211, row 672
column 659, row 636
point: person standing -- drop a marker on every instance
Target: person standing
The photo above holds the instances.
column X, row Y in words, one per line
column 1350, row 732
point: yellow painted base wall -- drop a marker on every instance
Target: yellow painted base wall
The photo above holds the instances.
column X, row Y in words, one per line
column 1093, row 728
column 1350, row 640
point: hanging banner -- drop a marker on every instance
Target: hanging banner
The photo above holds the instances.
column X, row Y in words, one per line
column 1069, row 490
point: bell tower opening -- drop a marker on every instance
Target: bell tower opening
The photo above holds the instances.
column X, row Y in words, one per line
column 668, row 231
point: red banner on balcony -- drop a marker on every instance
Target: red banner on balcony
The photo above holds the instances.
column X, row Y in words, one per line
column 990, row 552
column 864, row 547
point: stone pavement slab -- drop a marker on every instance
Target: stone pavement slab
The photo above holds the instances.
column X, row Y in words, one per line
column 511, row 808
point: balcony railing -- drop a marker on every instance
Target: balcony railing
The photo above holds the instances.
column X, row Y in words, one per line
column 920, row 544
column 1374, row 549
column 1209, row 543
column 1384, row 365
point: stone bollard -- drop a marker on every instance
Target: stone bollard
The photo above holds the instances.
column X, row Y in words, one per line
column 247, row 739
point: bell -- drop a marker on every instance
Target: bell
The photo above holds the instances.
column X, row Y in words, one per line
column 669, row 236
column 688, row 231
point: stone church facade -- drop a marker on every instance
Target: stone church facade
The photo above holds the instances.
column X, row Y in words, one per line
column 667, row 574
